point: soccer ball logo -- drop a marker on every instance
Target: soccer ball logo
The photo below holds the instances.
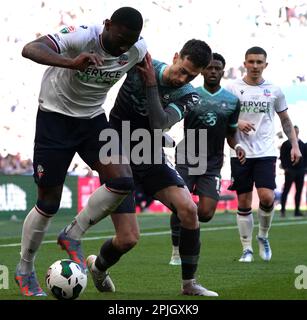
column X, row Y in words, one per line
column 65, row 279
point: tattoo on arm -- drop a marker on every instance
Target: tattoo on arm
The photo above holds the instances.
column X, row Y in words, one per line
column 287, row 128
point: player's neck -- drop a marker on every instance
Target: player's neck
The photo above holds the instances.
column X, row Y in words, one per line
column 212, row 89
column 166, row 74
column 101, row 43
column 253, row 81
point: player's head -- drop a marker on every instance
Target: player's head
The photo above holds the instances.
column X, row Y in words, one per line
column 255, row 62
column 189, row 62
column 122, row 30
column 214, row 72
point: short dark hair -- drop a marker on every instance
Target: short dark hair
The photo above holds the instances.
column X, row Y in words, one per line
column 255, row 50
column 219, row 57
column 197, row 51
column 128, row 17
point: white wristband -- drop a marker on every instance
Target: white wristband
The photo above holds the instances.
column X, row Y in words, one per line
column 237, row 146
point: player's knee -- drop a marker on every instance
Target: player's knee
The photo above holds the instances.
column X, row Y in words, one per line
column 205, row 214
column 265, row 207
column 121, row 184
column 128, row 241
column 127, row 244
column 48, row 207
column 187, row 214
column 267, row 202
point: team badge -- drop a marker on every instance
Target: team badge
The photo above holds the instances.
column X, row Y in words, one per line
column 123, row 59
column 40, row 171
column 68, row 29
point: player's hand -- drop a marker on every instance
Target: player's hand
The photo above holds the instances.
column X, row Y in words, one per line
column 85, row 59
column 296, row 155
column 147, row 71
column 246, row 126
column 240, row 152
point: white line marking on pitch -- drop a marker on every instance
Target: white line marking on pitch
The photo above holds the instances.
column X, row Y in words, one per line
column 281, row 224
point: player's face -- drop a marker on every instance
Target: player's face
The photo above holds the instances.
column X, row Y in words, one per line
column 182, row 71
column 213, row 73
column 255, row 64
column 118, row 39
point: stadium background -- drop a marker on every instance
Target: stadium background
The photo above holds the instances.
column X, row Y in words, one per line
column 230, row 27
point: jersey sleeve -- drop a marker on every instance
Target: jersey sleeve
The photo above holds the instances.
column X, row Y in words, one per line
column 234, row 117
column 185, row 104
column 141, row 47
column 280, row 103
column 69, row 38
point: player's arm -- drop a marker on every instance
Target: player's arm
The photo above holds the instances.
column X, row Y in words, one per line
column 289, row 131
column 231, row 134
column 45, row 51
column 234, row 143
column 159, row 117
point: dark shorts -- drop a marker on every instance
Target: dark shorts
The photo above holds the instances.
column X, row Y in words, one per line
column 151, row 178
column 202, row 185
column 258, row 171
column 57, row 138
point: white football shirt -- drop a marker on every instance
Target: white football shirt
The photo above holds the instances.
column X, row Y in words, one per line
column 258, row 105
column 82, row 94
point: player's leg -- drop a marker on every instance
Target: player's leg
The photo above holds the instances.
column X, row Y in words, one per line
column 169, row 188
column 208, row 189
column 299, row 183
column 243, row 184
column 50, row 164
column 174, row 220
column 126, row 237
column 264, row 173
column 289, row 178
column 181, row 202
column 116, row 179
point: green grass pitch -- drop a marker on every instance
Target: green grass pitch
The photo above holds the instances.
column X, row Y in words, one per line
column 144, row 273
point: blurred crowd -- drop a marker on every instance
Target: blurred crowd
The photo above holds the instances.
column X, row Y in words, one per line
column 14, row 164
column 228, row 26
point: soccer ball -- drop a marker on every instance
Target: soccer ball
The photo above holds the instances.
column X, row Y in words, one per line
column 65, row 279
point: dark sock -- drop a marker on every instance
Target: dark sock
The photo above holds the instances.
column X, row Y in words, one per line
column 189, row 248
column 175, row 228
column 108, row 256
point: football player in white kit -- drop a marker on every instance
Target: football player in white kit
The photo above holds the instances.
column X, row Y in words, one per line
column 260, row 100
column 85, row 62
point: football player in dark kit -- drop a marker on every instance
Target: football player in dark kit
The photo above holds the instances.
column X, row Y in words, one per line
column 217, row 113
column 153, row 97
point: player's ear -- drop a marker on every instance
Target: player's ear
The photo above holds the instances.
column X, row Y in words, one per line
column 107, row 24
column 176, row 57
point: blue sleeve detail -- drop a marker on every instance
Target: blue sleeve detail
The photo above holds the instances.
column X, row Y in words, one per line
column 177, row 109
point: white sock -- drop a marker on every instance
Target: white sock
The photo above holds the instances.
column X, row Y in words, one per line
column 265, row 220
column 100, row 204
column 34, row 228
column 175, row 251
column 246, row 226
column 185, row 282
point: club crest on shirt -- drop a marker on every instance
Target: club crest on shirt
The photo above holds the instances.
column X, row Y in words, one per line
column 68, row 29
column 122, row 60
column 267, row 92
